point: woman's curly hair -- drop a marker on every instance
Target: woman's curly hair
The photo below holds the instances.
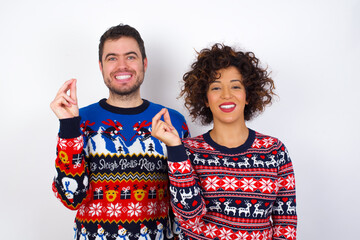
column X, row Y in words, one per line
column 258, row 85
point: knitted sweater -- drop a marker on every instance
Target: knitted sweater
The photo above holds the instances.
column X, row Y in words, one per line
column 244, row 193
column 113, row 172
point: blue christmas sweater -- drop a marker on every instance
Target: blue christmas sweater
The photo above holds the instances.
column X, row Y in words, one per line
column 114, row 173
column 243, row 193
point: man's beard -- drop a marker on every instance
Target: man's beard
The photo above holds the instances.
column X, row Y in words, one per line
column 125, row 91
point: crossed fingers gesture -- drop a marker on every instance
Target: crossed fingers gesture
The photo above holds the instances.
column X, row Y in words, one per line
column 164, row 130
column 65, row 105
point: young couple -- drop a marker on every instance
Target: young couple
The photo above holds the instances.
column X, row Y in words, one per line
column 115, row 157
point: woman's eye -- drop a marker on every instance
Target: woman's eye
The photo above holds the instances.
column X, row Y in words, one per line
column 215, row 88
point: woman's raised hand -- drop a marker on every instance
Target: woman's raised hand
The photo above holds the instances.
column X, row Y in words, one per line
column 164, row 130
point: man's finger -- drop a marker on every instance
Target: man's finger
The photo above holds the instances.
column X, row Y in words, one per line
column 64, row 102
column 167, row 118
column 157, row 117
column 68, row 99
column 65, row 87
column 73, row 91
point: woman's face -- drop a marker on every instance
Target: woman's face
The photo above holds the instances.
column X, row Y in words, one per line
column 227, row 97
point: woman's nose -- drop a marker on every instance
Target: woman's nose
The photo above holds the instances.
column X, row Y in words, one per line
column 225, row 93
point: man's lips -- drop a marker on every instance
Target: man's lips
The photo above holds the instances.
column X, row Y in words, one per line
column 227, row 107
column 123, row 77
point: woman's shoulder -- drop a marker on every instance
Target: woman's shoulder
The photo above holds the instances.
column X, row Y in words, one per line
column 199, row 138
column 266, row 141
column 196, row 142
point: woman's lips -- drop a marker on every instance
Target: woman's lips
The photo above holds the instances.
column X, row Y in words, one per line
column 227, row 107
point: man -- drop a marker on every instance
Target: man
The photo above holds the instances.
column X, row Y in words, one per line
column 109, row 167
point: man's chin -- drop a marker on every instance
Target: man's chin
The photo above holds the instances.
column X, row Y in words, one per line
column 124, row 92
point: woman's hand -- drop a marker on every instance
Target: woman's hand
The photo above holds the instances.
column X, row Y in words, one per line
column 164, row 130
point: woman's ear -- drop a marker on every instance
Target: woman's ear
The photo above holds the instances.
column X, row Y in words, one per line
column 206, row 102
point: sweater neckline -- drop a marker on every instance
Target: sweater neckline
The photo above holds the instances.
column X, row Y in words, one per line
column 236, row 150
column 126, row 111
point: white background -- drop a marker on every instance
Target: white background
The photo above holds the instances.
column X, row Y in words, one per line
column 311, row 47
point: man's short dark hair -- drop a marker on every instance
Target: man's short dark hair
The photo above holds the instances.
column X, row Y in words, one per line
column 119, row 31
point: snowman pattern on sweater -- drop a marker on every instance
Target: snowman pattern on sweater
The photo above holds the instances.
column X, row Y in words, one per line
column 122, row 234
column 83, row 234
column 144, row 233
column 113, row 172
column 101, row 235
column 160, row 231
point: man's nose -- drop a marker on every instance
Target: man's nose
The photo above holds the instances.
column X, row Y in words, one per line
column 122, row 62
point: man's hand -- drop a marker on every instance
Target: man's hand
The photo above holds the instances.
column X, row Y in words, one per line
column 165, row 131
column 64, row 105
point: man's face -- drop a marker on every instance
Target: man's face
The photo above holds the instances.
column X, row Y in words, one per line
column 122, row 66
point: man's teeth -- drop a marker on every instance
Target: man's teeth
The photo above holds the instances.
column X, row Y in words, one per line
column 123, row 77
column 227, row 106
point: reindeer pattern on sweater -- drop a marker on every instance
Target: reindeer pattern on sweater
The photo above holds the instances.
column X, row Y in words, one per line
column 223, row 193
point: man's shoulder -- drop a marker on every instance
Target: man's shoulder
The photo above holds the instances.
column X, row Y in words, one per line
column 173, row 113
column 89, row 108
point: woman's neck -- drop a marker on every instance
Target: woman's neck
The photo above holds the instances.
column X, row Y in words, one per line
column 229, row 136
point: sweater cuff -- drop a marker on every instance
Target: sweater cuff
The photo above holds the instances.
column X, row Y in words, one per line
column 176, row 153
column 70, row 128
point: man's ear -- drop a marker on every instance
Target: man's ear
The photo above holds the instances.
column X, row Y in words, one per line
column 100, row 65
column 145, row 64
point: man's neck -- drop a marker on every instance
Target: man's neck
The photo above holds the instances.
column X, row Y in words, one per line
column 126, row 101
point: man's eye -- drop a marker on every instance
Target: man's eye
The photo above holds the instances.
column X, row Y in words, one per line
column 131, row 57
column 236, row 87
column 111, row 59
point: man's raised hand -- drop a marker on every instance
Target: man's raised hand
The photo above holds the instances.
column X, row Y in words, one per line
column 64, row 105
column 164, row 130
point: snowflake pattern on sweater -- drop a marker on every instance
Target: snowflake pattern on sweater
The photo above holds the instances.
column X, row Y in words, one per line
column 113, row 172
column 243, row 193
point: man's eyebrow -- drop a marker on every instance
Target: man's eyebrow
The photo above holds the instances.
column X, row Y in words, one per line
column 115, row 54
column 129, row 53
column 110, row 54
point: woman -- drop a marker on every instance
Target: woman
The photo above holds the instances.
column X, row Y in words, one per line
column 231, row 182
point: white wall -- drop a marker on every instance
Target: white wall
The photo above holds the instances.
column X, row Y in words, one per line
column 312, row 48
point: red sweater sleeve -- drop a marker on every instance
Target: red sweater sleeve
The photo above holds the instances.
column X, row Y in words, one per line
column 186, row 197
column 71, row 182
column 284, row 210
